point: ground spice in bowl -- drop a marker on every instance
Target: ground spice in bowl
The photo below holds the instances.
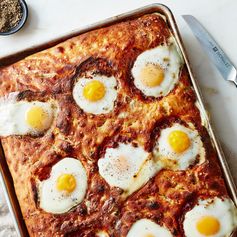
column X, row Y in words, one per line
column 10, row 14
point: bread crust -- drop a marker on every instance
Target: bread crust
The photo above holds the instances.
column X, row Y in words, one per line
column 50, row 75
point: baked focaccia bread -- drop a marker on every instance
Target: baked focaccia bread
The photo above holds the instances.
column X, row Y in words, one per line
column 103, row 137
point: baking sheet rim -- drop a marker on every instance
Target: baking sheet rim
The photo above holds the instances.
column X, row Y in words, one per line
column 152, row 8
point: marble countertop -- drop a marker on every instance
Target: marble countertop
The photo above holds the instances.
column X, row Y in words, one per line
column 52, row 18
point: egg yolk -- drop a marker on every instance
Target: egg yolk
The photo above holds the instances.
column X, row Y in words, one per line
column 66, row 182
column 122, row 163
column 179, row 141
column 36, row 117
column 208, row 225
column 94, row 90
column 152, row 75
column 149, row 235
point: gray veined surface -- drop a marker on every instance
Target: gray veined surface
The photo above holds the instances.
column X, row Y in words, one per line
column 7, row 227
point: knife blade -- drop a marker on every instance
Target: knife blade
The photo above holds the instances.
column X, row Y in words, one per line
column 212, row 49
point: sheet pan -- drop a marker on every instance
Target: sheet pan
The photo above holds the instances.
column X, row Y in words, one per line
column 153, row 8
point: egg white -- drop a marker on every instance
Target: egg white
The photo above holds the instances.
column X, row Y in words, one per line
column 102, row 106
column 13, row 115
column 145, row 227
column 223, row 210
column 131, row 171
column 171, row 68
column 55, row 201
column 179, row 161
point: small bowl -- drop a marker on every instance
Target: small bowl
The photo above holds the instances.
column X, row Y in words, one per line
column 21, row 22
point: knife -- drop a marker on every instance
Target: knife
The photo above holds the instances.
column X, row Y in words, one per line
column 212, row 49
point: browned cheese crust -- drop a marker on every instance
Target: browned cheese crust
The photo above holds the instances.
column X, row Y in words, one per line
column 51, row 74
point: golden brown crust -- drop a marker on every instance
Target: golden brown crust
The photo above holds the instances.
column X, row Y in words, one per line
column 51, row 74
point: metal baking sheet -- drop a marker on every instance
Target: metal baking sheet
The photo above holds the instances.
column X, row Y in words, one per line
column 153, row 8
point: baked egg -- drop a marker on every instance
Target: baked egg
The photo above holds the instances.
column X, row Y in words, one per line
column 101, row 233
column 127, row 167
column 178, row 147
column 148, row 228
column 211, row 217
column 24, row 117
column 95, row 95
column 65, row 188
column 156, row 71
